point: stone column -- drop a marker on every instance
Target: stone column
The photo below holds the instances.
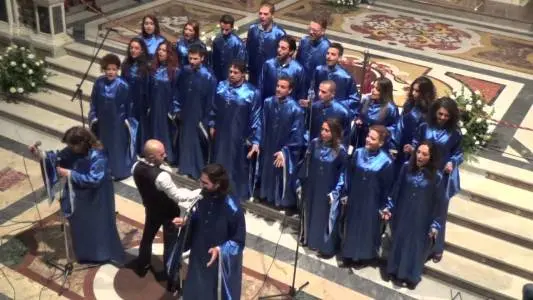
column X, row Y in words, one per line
column 7, row 18
column 51, row 31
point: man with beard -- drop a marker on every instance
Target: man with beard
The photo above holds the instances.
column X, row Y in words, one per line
column 262, row 41
column 196, row 89
column 227, row 47
column 235, row 127
column 283, row 65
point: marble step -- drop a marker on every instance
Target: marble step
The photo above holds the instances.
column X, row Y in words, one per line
column 87, row 52
column 74, row 66
column 78, row 13
column 67, row 84
column 503, row 173
column 59, row 103
column 27, row 135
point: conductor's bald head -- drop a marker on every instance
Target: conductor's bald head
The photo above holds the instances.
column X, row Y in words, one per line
column 154, row 152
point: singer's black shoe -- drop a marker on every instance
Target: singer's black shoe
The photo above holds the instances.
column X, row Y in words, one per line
column 139, row 269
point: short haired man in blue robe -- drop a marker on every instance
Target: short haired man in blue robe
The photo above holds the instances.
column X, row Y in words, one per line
column 262, row 41
column 282, row 144
column 283, row 65
column 346, row 87
column 196, row 90
column 235, row 128
column 227, row 47
column 313, row 47
column 328, row 108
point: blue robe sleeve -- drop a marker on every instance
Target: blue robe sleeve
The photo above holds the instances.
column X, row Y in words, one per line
column 395, row 193
column 230, row 260
column 93, row 109
column 96, row 174
column 440, row 205
column 256, row 119
column 210, row 99
column 336, row 193
column 457, row 156
column 213, row 110
column 174, row 109
column 131, row 123
column 386, row 183
column 49, row 162
column 299, row 83
column 420, row 135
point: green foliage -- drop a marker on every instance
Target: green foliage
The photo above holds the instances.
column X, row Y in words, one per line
column 21, row 71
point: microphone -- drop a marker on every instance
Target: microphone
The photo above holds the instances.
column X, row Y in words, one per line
column 193, row 204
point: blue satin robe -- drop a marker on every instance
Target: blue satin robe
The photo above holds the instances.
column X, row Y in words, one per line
column 369, row 179
column 236, row 116
column 139, row 86
column 215, row 222
column 416, row 205
column 404, row 132
column 152, row 42
column 196, row 89
column 373, row 117
column 182, row 49
column 283, row 130
column 261, row 45
column 111, row 118
column 334, row 110
column 449, row 145
column 312, row 54
column 272, row 70
column 162, row 107
column 226, row 49
column 88, row 204
column 346, row 87
column 322, row 191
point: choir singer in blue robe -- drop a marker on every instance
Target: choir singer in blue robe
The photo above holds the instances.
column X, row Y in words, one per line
column 235, row 127
column 262, row 41
column 191, row 36
column 111, row 118
column 163, row 99
column 415, row 206
column 328, row 108
column 196, row 90
column 346, row 87
column 282, row 144
column 442, row 130
column 369, row 179
column 283, row 65
column 227, row 47
column 323, row 182
column 216, row 241
column 151, row 34
column 87, row 198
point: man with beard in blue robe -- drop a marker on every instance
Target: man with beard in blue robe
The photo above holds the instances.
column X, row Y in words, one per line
column 216, row 234
column 196, row 90
column 328, row 108
column 235, row 127
column 283, row 65
column 282, row 144
column 313, row 48
column 262, row 41
column 227, row 47
column 346, row 88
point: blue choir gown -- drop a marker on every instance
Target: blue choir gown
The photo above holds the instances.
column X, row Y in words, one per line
column 196, row 92
column 152, row 41
column 226, row 49
column 322, row 112
column 261, row 45
column 416, row 205
column 369, row 179
column 182, row 50
column 272, row 70
column 237, row 117
column 448, row 142
column 283, row 130
column 88, row 202
column 162, row 109
column 111, row 118
column 139, row 86
column 312, row 54
column 404, row 132
column 322, row 187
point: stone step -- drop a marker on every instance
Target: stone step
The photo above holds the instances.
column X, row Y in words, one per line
column 491, row 221
column 59, row 103
column 67, row 84
column 79, row 13
column 74, row 66
column 26, row 135
column 87, row 52
column 497, row 194
column 501, row 172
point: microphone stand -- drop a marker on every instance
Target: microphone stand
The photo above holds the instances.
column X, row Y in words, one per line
column 78, row 94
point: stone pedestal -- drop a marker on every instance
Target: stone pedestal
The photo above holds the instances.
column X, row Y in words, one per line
column 513, row 2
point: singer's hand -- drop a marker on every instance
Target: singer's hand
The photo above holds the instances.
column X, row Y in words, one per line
column 433, row 233
column 279, row 160
column 385, row 214
column 62, row 171
column 358, row 122
column 179, row 221
column 304, row 102
column 407, row 148
column 214, row 255
column 448, row 168
column 212, row 132
column 35, row 151
column 254, row 150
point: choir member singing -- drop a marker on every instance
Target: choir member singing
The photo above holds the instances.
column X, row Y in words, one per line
column 323, row 178
column 369, row 179
column 87, row 199
column 346, row 87
column 282, row 142
column 262, row 41
column 327, row 108
column 151, row 34
column 163, row 99
column 191, row 36
column 282, row 65
column 160, row 199
column 442, row 130
column 235, row 127
column 136, row 71
column 196, row 91
column 111, row 118
column 227, row 47
column 216, row 240
column 414, row 208
column 313, row 48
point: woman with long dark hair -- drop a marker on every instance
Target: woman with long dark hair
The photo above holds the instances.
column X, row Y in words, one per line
column 369, row 179
column 163, row 98
column 191, row 35
column 414, row 208
column 323, row 180
column 151, row 34
column 136, row 72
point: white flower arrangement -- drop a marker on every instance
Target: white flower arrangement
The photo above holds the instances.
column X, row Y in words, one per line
column 344, row 3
